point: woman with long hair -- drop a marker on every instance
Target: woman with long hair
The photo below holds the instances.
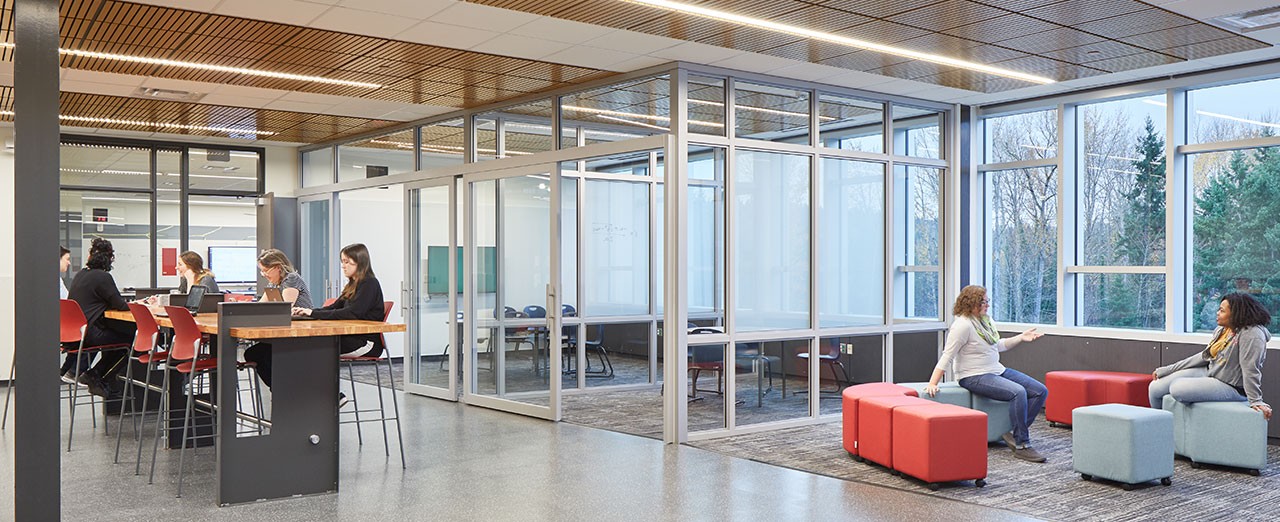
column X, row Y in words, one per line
column 95, row 291
column 280, row 274
column 1229, row 368
column 974, row 344
column 191, row 269
column 361, row 299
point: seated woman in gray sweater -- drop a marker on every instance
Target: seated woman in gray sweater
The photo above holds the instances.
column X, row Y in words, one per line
column 192, row 272
column 1230, row 368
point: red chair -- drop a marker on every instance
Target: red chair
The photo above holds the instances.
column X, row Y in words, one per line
column 185, row 358
column 237, row 298
column 350, row 362
column 71, row 328
column 144, row 352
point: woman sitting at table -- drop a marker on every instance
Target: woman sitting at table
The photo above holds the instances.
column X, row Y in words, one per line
column 280, row 274
column 95, row 291
column 191, row 268
column 361, row 300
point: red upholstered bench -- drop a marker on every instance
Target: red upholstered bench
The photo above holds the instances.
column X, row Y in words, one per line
column 1069, row 390
column 849, row 404
column 876, row 429
column 938, row 442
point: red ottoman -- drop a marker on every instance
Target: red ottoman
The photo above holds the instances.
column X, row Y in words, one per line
column 1069, row 390
column 849, row 404
column 940, row 443
column 876, row 428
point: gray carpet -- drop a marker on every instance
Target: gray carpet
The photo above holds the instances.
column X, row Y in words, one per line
column 1050, row 491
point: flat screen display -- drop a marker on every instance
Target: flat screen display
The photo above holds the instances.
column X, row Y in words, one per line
column 234, row 264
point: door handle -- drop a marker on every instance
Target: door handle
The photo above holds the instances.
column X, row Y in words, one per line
column 552, row 309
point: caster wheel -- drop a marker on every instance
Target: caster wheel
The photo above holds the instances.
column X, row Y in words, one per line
column 857, row 458
column 1195, row 465
column 895, row 473
column 1166, row 481
column 1087, row 477
column 980, row 483
column 1255, row 472
column 933, row 486
column 1127, row 487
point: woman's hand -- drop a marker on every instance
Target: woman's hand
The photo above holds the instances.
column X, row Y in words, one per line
column 1155, row 376
column 1266, row 410
column 302, row 311
column 1030, row 335
column 931, row 389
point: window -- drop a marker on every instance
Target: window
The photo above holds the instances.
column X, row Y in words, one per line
column 442, row 144
column 1022, row 215
column 317, row 167
column 851, row 252
column 765, row 112
column 380, row 156
column 1233, row 112
column 918, row 241
column 618, row 112
column 1021, row 137
column 917, row 132
column 771, row 240
column 706, row 105
column 851, row 124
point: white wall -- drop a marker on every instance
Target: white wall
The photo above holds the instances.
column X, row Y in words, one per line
column 7, row 255
column 281, row 171
column 375, row 217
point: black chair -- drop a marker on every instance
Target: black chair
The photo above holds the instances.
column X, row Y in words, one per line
column 592, row 344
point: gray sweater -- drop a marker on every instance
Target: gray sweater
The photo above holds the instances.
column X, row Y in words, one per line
column 1239, row 364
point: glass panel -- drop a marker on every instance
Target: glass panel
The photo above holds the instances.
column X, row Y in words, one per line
column 616, row 242
column 1021, row 137
column 316, row 249
column 380, row 156
column 1232, row 112
column 622, row 111
column 569, row 243
column 706, row 387
column 845, row 361
column 771, row 240
column 526, row 129
column 614, row 354
column 768, row 381
column 918, row 228
column 917, row 132
column 765, row 112
column 222, row 169
column 317, row 167
column 114, row 166
column 434, row 316
column 706, row 237
column 168, row 215
column 851, row 262
column 1121, row 198
column 630, row 164
column 1234, row 239
column 122, row 218
column 850, row 124
column 217, row 221
column 486, row 131
column 442, row 144
column 706, row 105
column 1023, row 215
column 380, row 209
column 1122, row 300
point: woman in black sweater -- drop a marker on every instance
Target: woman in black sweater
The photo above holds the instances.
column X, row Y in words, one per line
column 95, row 291
column 361, row 300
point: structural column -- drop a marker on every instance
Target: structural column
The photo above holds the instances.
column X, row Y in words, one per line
column 37, row 478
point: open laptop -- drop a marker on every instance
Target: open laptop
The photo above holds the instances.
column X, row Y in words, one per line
column 197, row 300
column 272, row 295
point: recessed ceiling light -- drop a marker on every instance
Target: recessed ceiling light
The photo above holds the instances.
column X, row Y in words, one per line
column 837, row 39
column 206, row 67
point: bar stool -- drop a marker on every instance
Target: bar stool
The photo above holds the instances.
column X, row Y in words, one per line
column 71, row 325
column 185, row 358
column 145, row 353
column 377, row 362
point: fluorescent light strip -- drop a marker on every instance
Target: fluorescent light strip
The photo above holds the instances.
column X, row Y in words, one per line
column 629, row 122
column 1223, row 116
column 659, row 119
column 842, row 40
column 761, row 109
column 207, row 67
column 1094, row 154
column 135, row 123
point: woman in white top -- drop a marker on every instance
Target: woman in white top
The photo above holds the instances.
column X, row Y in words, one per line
column 64, row 264
column 974, row 344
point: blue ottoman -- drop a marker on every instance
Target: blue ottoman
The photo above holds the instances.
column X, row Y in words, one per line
column 1124, row 443
column 948, row 393
column 997, row 416
column 1222, row 433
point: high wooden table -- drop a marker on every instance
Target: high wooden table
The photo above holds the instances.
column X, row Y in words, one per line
column 299, row 454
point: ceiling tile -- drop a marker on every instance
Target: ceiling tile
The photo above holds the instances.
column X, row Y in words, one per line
column 558, row 30
column 346, row 20
column 284, row 11
column 482, row 17
column 521, row 46
column 454, row 36
column 633, row 42
column 419, row 9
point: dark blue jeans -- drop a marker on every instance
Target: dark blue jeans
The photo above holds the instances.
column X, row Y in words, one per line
column 1025, row 396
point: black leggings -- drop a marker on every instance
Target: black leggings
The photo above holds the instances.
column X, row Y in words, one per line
column 260, row 354
column 109, row 363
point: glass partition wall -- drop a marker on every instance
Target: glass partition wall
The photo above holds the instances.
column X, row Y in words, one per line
column 809, row 225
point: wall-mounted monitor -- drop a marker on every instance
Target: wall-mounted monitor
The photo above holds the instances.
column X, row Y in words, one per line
column 234, row 264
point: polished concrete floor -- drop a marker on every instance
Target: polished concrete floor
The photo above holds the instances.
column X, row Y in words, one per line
column 469, row 463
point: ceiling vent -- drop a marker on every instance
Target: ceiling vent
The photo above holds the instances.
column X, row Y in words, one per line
column 167, row 94
column 1249, row 21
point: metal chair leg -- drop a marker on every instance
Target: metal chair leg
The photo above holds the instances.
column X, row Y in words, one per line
column 142, row 423
column 124, row 400
column 395, row 403
column 8, row 390
column 382, row 410
column 75, row 394
column 355, row 403
column 186, row 424
column 162, row 417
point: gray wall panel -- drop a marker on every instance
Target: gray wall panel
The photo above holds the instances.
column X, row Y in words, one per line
column 914, row 356
column 1053, row 352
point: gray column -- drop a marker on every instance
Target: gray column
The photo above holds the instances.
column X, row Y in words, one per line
column 37, row 481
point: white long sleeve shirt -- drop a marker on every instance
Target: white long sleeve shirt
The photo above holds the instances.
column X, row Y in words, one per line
column 972, row 355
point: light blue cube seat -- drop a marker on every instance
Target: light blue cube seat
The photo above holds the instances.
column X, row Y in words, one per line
column 1120, row 442
column 1222, row 433
column 951, row 393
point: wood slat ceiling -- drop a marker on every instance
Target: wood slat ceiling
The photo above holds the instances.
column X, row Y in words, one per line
column 408, row 72
column 1062, row 39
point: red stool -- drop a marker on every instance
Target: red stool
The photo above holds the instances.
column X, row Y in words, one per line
column 876, row 428
column 849, row 405
column 1069, row 390
column 937, row 442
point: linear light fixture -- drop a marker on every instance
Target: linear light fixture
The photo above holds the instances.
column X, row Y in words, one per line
column 206, row 67
column 138, row 123
column 1223, row 116
column 631, row 122
column 652, row 117
column 761, row 109
column 837, row 39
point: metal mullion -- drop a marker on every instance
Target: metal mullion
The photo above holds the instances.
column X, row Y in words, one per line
column 95, row 188
column 1116, row 269
column 184, row 201
column 815, row 250
column 1181, row 235
column 581, row 259
column 1221, row 146
column 1067, row 215
column 1021, row 164
column 154, row 215
column 889, row 201
column 654, row 234
column 675, row 281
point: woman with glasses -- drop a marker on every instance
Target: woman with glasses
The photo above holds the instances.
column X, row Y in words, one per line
column 974, row 344
column 280, row 274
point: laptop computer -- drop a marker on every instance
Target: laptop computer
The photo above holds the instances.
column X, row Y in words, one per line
column 197, row 300
column 272, row 295
column 143, row 293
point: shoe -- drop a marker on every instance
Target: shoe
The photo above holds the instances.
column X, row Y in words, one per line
column 1028, row 453
column 95, row 384
column 69, row 377
column 1009, row 440
column 342, row 400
